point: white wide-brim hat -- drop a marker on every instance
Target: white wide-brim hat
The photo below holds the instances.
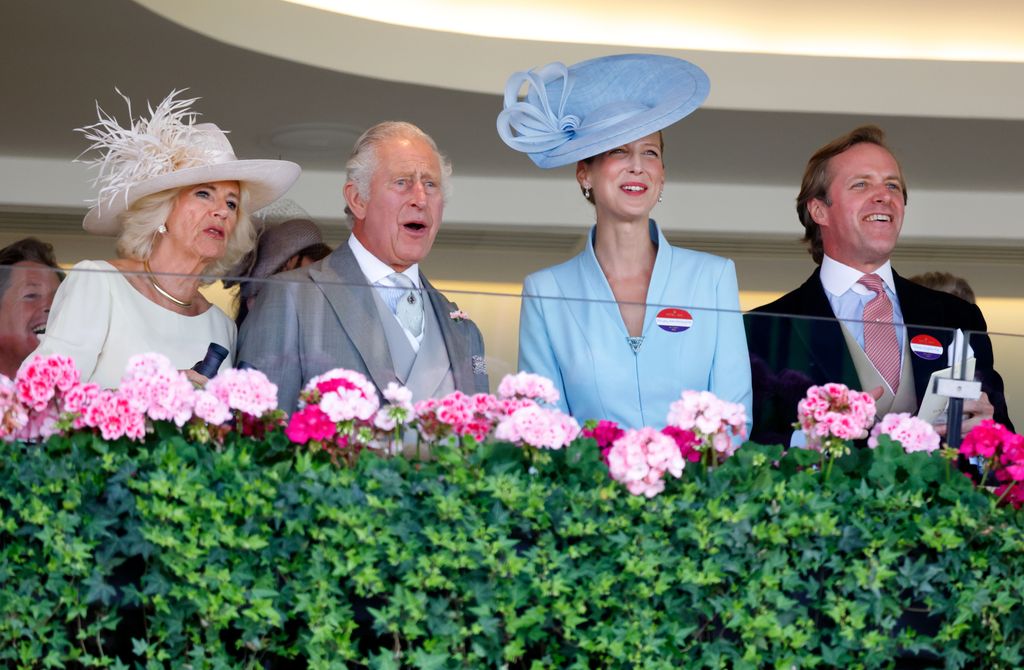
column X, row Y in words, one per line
column 169, row 151
column 572, row 113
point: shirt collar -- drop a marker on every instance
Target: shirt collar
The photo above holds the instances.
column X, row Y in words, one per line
column 374, row 269
column 838, row 278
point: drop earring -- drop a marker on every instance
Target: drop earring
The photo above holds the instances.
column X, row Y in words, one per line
column 661, row 196
column 586, row 192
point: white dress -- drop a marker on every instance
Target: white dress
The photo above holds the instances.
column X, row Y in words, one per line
column 100, row 320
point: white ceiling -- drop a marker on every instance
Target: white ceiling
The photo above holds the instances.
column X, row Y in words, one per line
column 986, row 30
column 765, row 116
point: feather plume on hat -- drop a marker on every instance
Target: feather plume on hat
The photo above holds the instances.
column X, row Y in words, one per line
column 146, row 148
column 169, row 150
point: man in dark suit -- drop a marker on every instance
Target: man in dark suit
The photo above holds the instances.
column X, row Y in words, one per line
column 851, row 204
column 367, row 307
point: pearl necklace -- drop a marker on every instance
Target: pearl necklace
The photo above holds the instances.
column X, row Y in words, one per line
column 160, row 289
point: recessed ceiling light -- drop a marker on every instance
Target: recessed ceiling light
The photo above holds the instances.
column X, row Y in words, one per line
column 314, row 138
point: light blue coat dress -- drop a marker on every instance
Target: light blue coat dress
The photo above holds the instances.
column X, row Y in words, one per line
column 571, row 331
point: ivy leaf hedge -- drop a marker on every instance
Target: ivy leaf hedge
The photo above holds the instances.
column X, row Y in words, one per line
column 173, row 554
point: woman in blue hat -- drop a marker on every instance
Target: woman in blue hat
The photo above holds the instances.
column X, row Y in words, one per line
column 627, row 325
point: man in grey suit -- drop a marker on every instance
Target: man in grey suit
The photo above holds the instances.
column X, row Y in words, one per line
column 366, row 306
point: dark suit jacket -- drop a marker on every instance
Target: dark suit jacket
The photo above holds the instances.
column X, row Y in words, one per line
column 789, row 355
column 323, row 316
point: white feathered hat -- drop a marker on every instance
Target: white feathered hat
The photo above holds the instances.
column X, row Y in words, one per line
column 169, row 150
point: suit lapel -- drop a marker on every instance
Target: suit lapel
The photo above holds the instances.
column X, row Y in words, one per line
column 344, row 286
column 455, row 344
column 822, row 336
column 918, row 308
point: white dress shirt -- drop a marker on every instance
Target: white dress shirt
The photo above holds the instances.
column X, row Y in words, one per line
column 848, row 297
column 378, row 274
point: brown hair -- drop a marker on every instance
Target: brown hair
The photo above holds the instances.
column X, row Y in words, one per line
column 947, row 283
column 817, row 180
column 28, row 249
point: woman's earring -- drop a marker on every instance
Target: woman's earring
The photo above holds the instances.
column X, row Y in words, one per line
column 586, row 192
column 162, row 229
column 661, row 196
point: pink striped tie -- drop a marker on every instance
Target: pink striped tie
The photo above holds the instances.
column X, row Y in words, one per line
column 880, row 343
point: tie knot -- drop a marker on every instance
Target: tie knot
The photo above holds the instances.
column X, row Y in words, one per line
column 400, row 280
column 872, row 281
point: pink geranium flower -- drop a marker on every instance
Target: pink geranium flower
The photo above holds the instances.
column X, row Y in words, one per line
column 158, row 390
column 640, row 458
column 832, row 414
column 912, row 433
column 538, row 427
column 528, row 385
column 42, row 378
column 13, row 414
column 246, row 391
column 718, row 425
column 343, row 395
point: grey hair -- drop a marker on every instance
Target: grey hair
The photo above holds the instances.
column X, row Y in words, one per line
column 141, row 221
column 363, row 162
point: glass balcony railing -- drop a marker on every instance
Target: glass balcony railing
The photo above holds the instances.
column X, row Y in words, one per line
column 297, row 328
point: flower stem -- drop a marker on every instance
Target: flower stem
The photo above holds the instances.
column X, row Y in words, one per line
column 1005, row 491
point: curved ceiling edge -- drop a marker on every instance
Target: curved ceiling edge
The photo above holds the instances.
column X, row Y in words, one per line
column 740, row 81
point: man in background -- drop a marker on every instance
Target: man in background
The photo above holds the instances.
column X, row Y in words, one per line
column 29, row 277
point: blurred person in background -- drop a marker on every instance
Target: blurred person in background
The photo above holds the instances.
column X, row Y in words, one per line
column 287, row 239
column 947, row 283
column 29, row 277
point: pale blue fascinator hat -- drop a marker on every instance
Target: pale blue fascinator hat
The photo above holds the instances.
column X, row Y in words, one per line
column 572, row 113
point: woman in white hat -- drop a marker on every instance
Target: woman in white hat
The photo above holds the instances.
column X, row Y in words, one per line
column 178, row 199
column 631, row 322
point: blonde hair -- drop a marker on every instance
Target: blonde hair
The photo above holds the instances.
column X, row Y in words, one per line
column 140, row 224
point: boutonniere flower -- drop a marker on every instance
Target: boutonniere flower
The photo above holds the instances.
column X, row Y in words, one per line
column 458, row 315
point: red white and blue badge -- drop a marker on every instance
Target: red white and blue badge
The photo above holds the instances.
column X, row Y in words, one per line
column 674, row 320
column 926, row 347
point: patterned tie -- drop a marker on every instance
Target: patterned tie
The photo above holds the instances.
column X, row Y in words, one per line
column 880, row 342
column 405, row 301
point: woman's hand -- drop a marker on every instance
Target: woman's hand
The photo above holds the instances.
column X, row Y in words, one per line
column 198, row 380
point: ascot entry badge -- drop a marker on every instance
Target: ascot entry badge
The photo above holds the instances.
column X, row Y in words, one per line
column 926, row 347
column 674, row 320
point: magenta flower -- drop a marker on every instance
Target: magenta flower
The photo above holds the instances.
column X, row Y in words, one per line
column 604, row 433
column 310, row 423
column 686, row 440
